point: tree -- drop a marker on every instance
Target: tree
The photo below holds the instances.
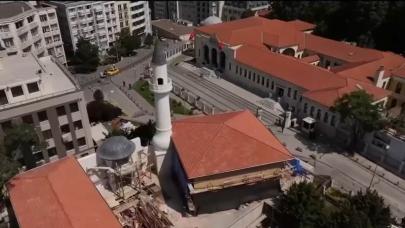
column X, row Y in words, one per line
column 20, row 142
column 247, row 13
column 302, row 206
column 126, row 44
column 8, row 169
column 148, row 40
column 86, row 56
column 357, row 108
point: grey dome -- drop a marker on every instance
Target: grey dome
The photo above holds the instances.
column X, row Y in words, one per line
column 159, row 53
column 116, row 148
column 211, row 20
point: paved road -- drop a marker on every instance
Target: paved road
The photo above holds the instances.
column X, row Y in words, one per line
column 347, row 174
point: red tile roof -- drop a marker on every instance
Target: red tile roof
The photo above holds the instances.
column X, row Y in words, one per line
column 59, row 194
column 327, row 97
column 210, row 145
column 253, row 35
column 310, row 59
column 288, row 68
column 302, row 25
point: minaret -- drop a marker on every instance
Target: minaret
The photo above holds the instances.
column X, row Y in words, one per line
column 161, row 86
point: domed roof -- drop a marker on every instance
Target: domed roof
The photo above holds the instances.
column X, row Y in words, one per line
column 116, row 148
column 211, row 20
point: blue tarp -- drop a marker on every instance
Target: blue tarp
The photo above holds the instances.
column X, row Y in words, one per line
column 297, row 168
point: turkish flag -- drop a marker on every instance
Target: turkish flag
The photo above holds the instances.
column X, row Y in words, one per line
column 220, row 45
column 192, row 35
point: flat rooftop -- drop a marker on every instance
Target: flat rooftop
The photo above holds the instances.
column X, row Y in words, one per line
column 23, row 68
column 172, row 27
column 11, row 9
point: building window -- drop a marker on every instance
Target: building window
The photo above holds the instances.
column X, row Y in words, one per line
column 78, row 125
column 52, row 152
column 74, row 107
column 27, row 119
column 249, row 73
column 42, row 116
column 33, row 87
column 30, row 19
column 81, row 141
column 267, row 83
column 258, row 79
column 38, row 156
column 4, row 28
column 17, row 91
column 398, row 88
column 332, row 121
column 6, row 125
column 254, row 78
column 8, row 42
column 326, row 117
column 245, row 72
column 3, row 97
column 43, row 18
column 295, row 94
column 289, row 92
column 65, row 129
column 272, row 85
column 69, row 145
column 240, row 72
column 312, row 111
column 262, row 81
column 318, row 114
column 61, row 110
column 229, row 66
column 47, row 134
column 305, row 108
column 19, row 24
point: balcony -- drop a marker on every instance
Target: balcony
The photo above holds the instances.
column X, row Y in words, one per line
column 47, row 33
column 5, row 35
column 40, row 50
column 22, row 30
column 101, row 26
column 33, row 25
column 36, row 37
column 100, row 17
column 11, row 49
column 26, row 44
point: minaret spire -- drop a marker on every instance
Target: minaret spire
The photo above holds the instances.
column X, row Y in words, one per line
column 161, row 85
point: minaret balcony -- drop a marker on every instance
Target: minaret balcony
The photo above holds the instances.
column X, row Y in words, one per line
column 163, row 88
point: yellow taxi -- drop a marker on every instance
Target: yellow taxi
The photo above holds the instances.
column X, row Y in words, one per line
column 111, row 71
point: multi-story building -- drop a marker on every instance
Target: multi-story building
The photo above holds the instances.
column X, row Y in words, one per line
column 233, row 10
column 305, row 73
column 397, row 86
column 42, row 92
column 193, row 11
column 100, row 22
column 25, row 27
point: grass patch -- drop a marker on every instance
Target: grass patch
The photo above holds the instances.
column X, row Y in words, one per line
column 142, row 87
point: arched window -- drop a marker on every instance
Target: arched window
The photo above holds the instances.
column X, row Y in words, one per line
column 326, row 117
column 312, row 111
column 305, row 108
column 318, row 114
column 206, row 54
column 160, row 81
column 398, row 87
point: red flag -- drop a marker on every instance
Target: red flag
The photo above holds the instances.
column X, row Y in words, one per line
column 221, row 45
column 192, row 35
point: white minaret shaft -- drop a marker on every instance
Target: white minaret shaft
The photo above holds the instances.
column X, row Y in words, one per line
column 161, row 86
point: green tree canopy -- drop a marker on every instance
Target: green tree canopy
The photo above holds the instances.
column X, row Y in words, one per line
column 86, row 56
column 126, row 44
column 302, row 206
column 358, row 108
column 8, row 168
column 148, row 40
column 19, row 143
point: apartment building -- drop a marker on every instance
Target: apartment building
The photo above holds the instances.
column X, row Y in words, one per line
column 42, row 92
column 100, row 21
column 30, row 27
column 193, row 11
column 233, row 10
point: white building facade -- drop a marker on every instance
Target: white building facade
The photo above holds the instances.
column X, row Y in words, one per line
column 100, row 21
column 25, row 27
column 41, row 92
column 193, row 11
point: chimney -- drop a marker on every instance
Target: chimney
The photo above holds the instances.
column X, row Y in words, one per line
column 378, row 77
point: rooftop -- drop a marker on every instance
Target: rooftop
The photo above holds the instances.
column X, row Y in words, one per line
column 254, row 37
column 59, row 194
column 54, row 78
column 11, row 9
column 172, row 27
column 210, row 145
